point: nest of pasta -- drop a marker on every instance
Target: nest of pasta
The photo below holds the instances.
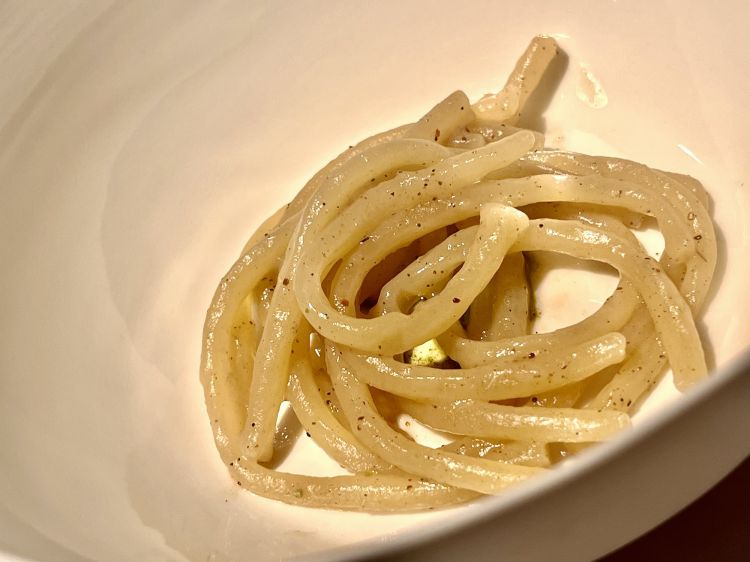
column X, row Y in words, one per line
column 396, row 283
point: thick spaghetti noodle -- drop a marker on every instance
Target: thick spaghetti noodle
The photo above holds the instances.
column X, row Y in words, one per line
column 421, row 234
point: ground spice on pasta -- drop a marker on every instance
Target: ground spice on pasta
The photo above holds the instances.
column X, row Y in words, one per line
column 396, row 282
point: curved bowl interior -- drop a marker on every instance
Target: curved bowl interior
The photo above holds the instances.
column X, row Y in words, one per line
column 141, row 144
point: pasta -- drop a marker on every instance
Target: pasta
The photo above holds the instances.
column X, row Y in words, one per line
column 396, row 284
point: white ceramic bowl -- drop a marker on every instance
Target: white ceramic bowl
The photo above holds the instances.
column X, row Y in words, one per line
column 140, row 144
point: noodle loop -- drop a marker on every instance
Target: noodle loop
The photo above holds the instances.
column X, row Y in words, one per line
column 393, row 293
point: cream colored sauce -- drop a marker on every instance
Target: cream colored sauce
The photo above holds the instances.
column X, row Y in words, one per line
column 589, row 88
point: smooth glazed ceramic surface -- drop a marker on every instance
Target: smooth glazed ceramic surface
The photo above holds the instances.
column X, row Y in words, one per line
column 140, row 145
